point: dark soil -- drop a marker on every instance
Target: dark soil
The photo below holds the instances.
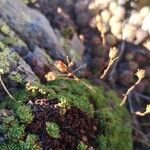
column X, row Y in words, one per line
column 75, row 126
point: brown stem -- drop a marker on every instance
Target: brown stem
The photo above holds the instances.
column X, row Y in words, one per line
column 128, row 92
column 6, row 88
column 111, row 62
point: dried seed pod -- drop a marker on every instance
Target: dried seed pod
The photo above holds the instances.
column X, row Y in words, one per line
column 50, row 76
column 113, row 53
column 140, row 73
column 61, row 66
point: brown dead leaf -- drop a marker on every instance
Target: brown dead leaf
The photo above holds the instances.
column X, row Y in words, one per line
column 61, row 66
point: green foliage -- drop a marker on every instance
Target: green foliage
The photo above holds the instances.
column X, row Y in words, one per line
column 53, row 129
column 15, row 132
column 113, row 119
column 30, row 143
column 24, row 113
column 82, row 146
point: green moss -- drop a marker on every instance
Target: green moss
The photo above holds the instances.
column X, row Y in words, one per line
column 114, row 120
column 53, row 129
column 82, row 146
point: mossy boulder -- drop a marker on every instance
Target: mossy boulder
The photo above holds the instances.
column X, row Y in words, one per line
column 114, row 134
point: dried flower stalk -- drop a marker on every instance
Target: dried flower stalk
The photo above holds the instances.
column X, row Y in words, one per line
column 3, row 85
column 113, row 56
column 140, row 74
column 147, row 111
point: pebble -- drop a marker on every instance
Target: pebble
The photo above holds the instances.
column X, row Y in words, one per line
column 136, row 19
column 2, row 140
column 112, row 7
column 120, row 12
column 106, row 15
column 146, row 23
column 144, row 11
column 129, row 32
column 116, row 29
column 141, row 36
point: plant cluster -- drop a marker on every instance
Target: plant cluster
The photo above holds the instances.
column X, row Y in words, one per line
column 103, row 105
column 53, row 129
column 82, row 146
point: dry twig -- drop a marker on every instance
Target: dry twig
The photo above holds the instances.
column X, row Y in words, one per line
column 140, row 74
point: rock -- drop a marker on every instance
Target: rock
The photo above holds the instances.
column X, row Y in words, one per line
column 116, row 29
column 5, row 112
column 106, row 15
column 144, row 11
column 31, row 26
column 135, row 19
column 146, row 23
column 111, row 40
column 83, row 19
column 2, row 139
column 112, row 6
column 80, row 7
column 98, row 5
column 77, row 45
column 141, row 35
column 129, row 32
column 119, row 13
column 113, row 21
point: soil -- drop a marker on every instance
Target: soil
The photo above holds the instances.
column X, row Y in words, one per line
column 75, row 126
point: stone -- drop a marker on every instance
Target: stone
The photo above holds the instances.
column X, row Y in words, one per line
column 116, row 29
column 106, row 15
column 144, row 11
column 129, row 32
column 135, row 19
column 146, row 23
column 141, row 36
column 112, row 6
column 120, row 12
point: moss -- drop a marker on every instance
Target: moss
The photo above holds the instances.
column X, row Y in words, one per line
column 82, row 146
column 53, row 129
column 114, row 120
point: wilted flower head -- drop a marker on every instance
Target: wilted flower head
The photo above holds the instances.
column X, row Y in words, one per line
column 140, row 73
column 50, row 76
column 61, row 66
column 113, row 53
column 147, row 111
column 31, row 87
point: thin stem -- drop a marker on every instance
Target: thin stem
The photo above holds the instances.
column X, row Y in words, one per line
column 111, row 62
column 113, row 71
column 103, row 39
column 6, row 88
column 128, row 92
